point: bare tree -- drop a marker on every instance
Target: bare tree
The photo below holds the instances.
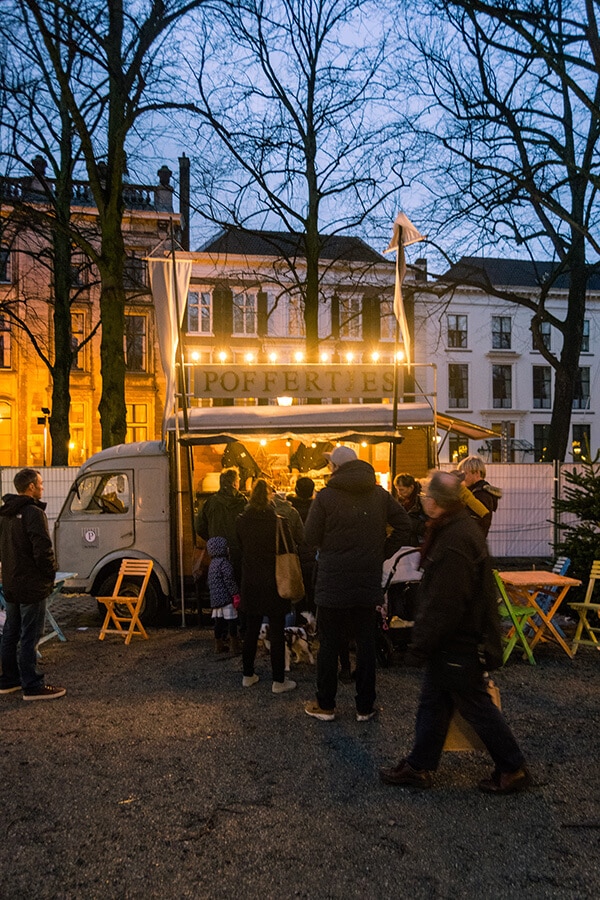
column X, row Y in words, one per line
column 510, row 94
column 110, row 62
column 296, row 101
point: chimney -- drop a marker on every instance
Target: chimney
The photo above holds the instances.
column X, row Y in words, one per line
column 420, row 269
column 184, row 200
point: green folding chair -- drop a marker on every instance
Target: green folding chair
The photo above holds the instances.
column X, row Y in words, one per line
column 514, row 616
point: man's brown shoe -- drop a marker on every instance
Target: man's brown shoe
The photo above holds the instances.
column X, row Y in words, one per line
column 506, row 782
column 404, row 775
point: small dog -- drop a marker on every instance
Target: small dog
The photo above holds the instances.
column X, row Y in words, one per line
column 297, row 640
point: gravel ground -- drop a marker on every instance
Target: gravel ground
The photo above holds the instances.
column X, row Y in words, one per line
column 158, row 776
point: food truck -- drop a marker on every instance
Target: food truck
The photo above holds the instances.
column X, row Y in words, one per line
column 138, row 500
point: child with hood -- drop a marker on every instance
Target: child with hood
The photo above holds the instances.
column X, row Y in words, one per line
column 224, row 595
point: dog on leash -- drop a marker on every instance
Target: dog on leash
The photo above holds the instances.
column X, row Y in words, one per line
column 297, row 640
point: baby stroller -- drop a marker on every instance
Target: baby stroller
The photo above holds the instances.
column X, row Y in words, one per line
column 400, row 580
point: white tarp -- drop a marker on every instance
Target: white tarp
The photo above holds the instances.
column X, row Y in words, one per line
column 170, row 297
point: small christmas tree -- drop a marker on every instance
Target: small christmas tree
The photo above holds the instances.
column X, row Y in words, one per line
column 581, row 536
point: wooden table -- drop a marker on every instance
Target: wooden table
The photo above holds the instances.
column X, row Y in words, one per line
column 524, row 589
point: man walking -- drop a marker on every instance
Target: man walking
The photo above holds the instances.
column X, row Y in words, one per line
column 457, row 636
column 28, row 570
column 348, row 523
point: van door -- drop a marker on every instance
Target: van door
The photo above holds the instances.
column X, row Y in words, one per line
column 96, row 519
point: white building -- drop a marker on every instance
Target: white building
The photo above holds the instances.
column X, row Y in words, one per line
column 489, row 372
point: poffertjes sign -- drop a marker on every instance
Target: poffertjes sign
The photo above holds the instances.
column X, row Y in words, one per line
column 361, row 381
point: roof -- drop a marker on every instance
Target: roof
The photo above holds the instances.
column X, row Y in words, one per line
column 523, row 273
column 290, row 244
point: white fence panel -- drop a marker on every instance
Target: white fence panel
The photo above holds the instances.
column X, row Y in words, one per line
column 57, row 481
column 522, row 524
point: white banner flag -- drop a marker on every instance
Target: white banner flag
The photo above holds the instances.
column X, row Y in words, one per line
column 404, row 233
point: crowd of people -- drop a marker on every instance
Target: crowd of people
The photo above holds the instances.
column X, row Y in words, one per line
column 342, row 535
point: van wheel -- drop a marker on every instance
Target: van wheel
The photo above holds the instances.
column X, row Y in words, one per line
column 152, row 607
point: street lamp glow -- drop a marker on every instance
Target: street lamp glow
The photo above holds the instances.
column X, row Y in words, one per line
column 272, row 357
column 325, row 357
column 400, row 355
column 375, row 356
column 349, row 357
column 222, row 356
column 195, row 356
column 298, row 356
column 249, row 357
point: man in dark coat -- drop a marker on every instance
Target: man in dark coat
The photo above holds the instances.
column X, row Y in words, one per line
column 28, row 570
column 457, row 636
column 218, row 516
column 348, row 523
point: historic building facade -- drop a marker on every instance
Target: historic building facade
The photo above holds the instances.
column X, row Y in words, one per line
column 489, row 371
column 26, row 287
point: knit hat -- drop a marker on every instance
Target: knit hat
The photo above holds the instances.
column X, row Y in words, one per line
column 340, row 455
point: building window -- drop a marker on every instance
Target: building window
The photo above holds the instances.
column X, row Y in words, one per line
column 79, row 270
column 244, row 313
column 458, row 447
column 77, row 335
column 135, row 273
column 458, row 386
column 542, row 387
column 581, row 397
column 541, row 436
column 457, row 331
column 5, row 266
column 135, row 343
column 77, row 446
column 350, row 319
column 501, row 332
column 502, row 387
column 585, row 339
column 6, row 435
column 199, row 307
column 137, row 422
column 545, row 334
column 295, row 316
column 581, row 443
column 5, row 342
column 387, row 321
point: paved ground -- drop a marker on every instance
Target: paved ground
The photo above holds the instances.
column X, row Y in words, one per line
column 158, row 776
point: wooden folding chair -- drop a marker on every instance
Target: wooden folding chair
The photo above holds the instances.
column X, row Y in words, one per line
column 546, row 598
column 584, row 609
column 126, row 608
column 514, row 617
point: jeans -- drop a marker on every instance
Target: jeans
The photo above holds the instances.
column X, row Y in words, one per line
column 276, row 638
column 334, row 627
column 24, row 624
column 456, row 681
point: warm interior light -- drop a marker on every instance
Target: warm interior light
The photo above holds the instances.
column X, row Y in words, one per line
column 285, row 401
column 349, row 357
column 400, row 355
column 195, row 356
column 298, row 356
column 249, row 357
column 272, row 357
column 363, row 444
column 263, row 442
column 72, row 445
column 313, row 446
column 222, row 356
column 375, row 356
column 324, row 357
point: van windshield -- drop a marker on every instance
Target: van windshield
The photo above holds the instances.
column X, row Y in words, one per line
column 102, row 493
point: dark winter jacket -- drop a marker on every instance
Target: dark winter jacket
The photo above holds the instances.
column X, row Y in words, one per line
column 416, row 514
column 302, row 504
column 457, row 605
column 218, row 516
column 221, row 581
column 28, row 563
column 347, row 522
column 256, row 535
column 489, row 496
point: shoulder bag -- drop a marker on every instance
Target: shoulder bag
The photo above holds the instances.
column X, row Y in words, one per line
column 288, row 574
